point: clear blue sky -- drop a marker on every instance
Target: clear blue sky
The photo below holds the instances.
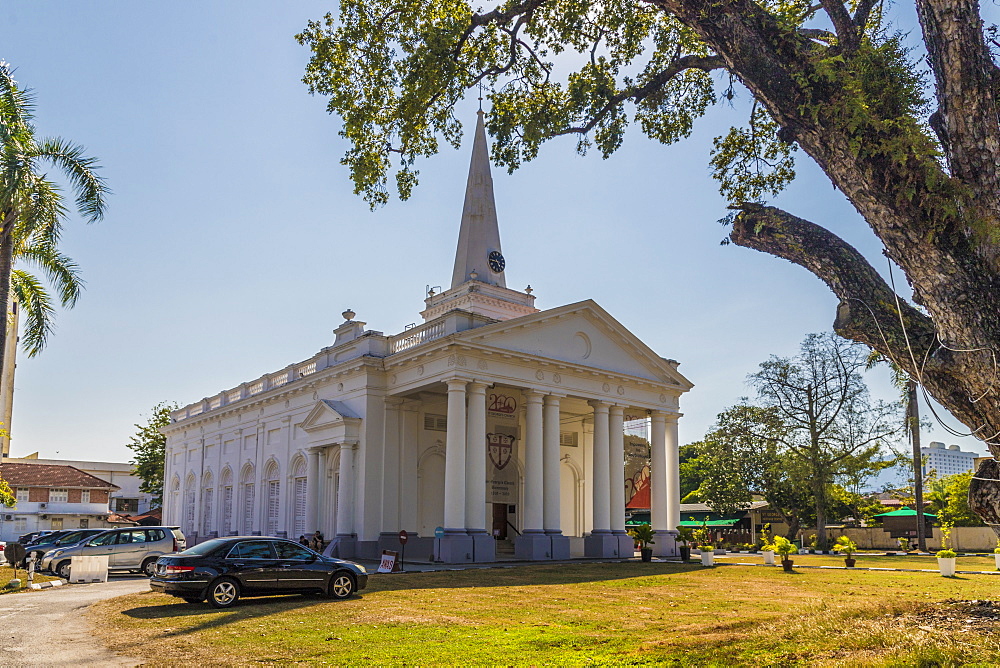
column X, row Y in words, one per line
column 233, row 240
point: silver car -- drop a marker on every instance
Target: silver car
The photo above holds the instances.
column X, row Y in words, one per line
column 128, row 549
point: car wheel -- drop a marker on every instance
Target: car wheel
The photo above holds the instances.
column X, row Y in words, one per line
column 63, row 569
column 148, row 566
column 224, row 593
column 192, row 599
column 341, row 585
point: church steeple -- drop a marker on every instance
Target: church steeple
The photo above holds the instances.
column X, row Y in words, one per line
column 478, row 286
column 479, row 237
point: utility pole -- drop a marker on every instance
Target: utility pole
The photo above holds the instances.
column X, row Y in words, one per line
column 913, row 422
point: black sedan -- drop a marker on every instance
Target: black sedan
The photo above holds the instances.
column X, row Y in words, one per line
column 223, row 569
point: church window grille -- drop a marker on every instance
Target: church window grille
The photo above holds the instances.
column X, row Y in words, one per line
column 206, row 511
column 273, row 506
column 300, row 507
column 248, row 508
column 227, row 510
column 435, row 422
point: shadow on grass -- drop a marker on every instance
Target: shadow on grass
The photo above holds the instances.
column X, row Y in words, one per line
column 245, row 609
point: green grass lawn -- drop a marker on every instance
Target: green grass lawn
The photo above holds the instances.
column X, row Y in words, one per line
column 869, row 560
column 583, row 614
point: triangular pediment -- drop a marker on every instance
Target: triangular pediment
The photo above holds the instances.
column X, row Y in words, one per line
column 583, row 334
column 331, row 421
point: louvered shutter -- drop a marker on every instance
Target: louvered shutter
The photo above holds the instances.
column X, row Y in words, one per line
column 300, row 507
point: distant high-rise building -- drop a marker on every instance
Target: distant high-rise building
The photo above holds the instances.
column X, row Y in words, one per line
column 947, row 460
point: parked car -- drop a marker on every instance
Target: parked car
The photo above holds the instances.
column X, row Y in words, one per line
column 42, row 544
column 224, row 569
column 128, row 549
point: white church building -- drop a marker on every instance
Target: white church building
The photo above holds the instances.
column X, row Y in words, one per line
column 489, row 427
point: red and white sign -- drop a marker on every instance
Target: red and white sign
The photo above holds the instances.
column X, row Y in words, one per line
column 388, row 563
column 501, row 405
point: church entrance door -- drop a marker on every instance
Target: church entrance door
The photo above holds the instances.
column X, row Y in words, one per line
column 500, row 521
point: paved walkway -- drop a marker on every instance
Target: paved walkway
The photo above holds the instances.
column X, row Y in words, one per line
column 46, row 628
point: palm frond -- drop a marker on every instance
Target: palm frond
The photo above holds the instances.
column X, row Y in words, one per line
column 61, row 271
column 90, row 187
column 36, row 308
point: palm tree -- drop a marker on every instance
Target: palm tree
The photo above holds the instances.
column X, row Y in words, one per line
column 908, row 391
column 32, row 211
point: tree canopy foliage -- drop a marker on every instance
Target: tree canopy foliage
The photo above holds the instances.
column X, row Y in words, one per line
column 830, row 79
column 149, row 446
column 812, row 425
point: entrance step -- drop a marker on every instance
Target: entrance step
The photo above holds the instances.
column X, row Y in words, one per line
column 505, row 547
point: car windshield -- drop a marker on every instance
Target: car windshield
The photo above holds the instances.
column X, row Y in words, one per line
column 204, row 548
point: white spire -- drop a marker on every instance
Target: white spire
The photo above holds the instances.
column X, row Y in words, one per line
column 479, row 236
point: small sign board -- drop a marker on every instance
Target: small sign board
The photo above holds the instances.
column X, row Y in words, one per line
column 403, row 537
column 439, row 532
column 388, row 563
column 14, row 552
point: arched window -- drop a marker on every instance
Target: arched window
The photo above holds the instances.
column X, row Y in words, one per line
column 247, row 481
column 299, row 502
column 189, row 484
column 226, row 486
column 175, row 500
column 271, row 474
column 207, row 491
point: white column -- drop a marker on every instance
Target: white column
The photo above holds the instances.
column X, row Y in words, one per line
column 408, row 475
column 616, row 468
column 345, row 495
column 550, row 457
column 658, row 472
column 534, row 478
column 390, row 467
column 673, row 469
column 454, row 462
column 475, row 462
column 312, row 491
column 600, row 476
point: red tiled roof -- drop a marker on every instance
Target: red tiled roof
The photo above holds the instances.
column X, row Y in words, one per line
column 50, row 475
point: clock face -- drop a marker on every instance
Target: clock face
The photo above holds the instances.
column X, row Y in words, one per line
column 496, row 261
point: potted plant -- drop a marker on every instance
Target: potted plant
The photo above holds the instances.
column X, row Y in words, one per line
column 812, row 543
column 848, row 547
column 946, row 556
column 904, row 544
column 643, row 535
column 685, row 535
column 707, row 554
column 784, row 547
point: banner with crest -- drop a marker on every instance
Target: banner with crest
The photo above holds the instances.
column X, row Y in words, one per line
column 501, row 445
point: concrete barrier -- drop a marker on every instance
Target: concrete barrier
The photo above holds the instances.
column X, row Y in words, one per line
column 88, row 569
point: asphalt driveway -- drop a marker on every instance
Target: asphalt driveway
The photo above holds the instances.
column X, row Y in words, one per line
column 47, row 627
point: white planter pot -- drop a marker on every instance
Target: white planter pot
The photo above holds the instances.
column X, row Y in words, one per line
column 768, row 557
column 803, row 551
column 996, row 558
column 707, row 558
column 946, row 566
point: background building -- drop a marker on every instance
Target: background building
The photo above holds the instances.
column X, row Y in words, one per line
column 947, row 460
column 126, row 499
column 53, row 497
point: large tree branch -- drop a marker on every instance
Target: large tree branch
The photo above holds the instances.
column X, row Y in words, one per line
column 966, row 92
column 965, row 378
column 869, row 310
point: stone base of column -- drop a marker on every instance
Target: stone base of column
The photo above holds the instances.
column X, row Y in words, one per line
column 666, row 543
column 454, row 548
column 602, row 546
column 484, row 547
column 626, row 545
column 560, row 546
column 342, row 547
column 533, row 547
